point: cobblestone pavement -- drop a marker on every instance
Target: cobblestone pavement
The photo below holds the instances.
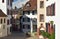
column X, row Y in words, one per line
column 18, row 35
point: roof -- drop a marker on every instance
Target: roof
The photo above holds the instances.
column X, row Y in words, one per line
column 33, row 5
column 2, row 14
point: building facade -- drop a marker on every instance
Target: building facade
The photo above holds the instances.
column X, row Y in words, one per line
column 46, row 16
column 3, row 24
column 3, row 3
column 29, row 18
column 7, row 6
column 50, row 10
column 41, row 15
column 15, row 20
column 50, row 16
column 9, row 13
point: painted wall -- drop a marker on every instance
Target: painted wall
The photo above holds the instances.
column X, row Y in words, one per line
column 29, row 16
column 28, row 23
column 3, row 6
column 41, row 11
column 51, row 18
column 3, row 30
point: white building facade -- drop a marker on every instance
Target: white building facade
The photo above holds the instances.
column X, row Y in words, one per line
column 53, row 17
column 29, row 18
column 29, row 21
column 3, row 6
column 3, row 24
column 9, row 13
column 6, row 6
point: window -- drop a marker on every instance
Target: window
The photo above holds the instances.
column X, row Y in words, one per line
column 41, row 4
column 41, row 18
column 23, row 20
column 1, row 21
column 2, row 1
column 11, row 21
column 23, row 13
column 23, row 26
column 8, row 12
column 47, row 27
column 4, row 20
column 35, row 28
column 8, row 2
column 7, row 22
column 51, row 10
column 28, row 26
column 11, row 12
column 34, row 20
column 33, row 12
column 28, row 5
column 28, row 19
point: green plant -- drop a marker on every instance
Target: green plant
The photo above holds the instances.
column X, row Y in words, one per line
column 45, row 34
column 52, row 22
column 52, row 36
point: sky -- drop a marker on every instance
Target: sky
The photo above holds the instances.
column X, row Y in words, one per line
column 18, row 3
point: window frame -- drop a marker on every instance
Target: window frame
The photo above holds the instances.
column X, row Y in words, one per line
column 23, row 26
column 1, row 20
column 28, row 26
column 4, row 20
column 28, row 19
column 41, row 17
column 8, row 22
column 41, row 4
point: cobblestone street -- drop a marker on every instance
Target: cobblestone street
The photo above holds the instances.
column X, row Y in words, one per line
column 17, row 35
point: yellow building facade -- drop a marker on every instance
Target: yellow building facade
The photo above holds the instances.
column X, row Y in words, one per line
column 41, row 15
